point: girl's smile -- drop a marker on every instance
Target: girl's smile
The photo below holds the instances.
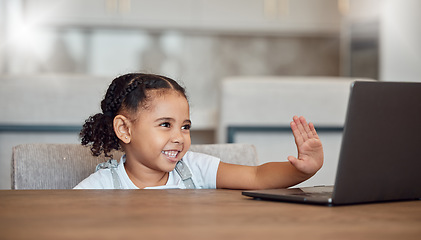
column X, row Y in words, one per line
column 171, row 155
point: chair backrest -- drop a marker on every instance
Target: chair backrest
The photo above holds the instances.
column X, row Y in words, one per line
column 63, row 166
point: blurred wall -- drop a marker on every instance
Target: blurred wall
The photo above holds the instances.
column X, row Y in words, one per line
column 58, row 57
column 60, row 60
column 401, row 41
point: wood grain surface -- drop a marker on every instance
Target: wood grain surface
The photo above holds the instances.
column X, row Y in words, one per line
column 194, row 214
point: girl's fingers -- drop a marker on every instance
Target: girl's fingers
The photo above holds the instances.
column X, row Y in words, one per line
column 313, row 130
column 301, row 128
column 296, row 132
column 306, row 127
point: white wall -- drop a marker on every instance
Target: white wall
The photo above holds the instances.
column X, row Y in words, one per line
column 49, row 100
column 400, row 41
column 254, row 102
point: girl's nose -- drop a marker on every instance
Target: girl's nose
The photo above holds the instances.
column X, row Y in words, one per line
column 177, row 137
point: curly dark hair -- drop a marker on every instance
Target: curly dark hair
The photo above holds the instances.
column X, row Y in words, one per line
column 126, row 92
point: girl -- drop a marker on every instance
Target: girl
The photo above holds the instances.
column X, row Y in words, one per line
column 147, row 116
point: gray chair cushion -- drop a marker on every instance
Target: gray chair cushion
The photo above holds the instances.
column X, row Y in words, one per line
column 63, row 166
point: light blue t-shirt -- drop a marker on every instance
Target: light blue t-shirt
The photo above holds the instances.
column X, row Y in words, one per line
column 202, row 167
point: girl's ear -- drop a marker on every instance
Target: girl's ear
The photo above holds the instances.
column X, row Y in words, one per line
column 122, row 128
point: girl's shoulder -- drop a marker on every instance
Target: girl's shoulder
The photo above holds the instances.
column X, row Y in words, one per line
column 196, row 160
column 101, row 179
column 196, row 156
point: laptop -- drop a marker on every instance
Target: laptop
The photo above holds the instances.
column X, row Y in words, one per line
column 380, row 156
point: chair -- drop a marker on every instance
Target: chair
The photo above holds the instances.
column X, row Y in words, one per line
column 63, row 166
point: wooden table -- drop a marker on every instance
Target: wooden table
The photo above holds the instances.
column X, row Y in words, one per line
column 194, row 214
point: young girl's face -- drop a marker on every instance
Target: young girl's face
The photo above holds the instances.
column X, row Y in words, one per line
column 161, row 134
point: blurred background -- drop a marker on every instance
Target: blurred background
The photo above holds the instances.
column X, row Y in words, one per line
column 57, row 58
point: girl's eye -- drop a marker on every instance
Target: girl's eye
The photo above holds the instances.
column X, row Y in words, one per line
column 165, row 124
column 186, row 127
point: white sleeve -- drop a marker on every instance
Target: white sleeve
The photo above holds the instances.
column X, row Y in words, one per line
column 203, row 168
column 102, row 179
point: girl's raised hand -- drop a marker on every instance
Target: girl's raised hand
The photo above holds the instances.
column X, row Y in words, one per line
column 309, row 147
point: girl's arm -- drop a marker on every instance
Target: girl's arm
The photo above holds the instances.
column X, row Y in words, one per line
column 278, row 174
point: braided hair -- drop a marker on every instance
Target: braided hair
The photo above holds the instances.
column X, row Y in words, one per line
column 126, row 93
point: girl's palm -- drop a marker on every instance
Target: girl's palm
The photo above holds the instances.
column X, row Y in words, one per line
column 309, row 146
